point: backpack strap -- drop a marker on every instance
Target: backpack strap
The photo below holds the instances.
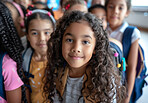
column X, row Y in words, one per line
column 27, row 55
column 127, row 40
column 2, row 91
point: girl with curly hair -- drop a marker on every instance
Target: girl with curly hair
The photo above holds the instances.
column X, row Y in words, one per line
column 39, row 25
column 80, row 67
column 11, row 74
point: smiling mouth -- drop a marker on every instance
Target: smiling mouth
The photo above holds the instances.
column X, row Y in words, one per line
column 42, row 45
column 75, row 57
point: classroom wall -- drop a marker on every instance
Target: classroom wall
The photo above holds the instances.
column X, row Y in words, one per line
column 138, row 18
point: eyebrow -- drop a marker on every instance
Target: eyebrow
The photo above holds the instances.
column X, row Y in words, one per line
column 85, row 35
column 39, row 30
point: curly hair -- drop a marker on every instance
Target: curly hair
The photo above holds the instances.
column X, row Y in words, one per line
column 105, row 80
column 10, row 41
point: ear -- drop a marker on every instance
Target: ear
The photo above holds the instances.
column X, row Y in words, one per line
column 127, row 13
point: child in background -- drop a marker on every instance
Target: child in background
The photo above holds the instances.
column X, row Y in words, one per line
column 79, row 67
column 72, row 5
column 117, row 10
column 10, row 60
column 18, row 19
column 100, row 12
column 39, row 25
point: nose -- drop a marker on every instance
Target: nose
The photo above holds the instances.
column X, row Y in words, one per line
column 42, row 37
column 116, row 10
column 76, row 48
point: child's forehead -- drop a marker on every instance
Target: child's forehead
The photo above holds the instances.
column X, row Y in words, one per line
column 99, row 9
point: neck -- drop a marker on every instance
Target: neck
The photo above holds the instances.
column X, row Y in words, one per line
column 76, row 72
column 39, row 57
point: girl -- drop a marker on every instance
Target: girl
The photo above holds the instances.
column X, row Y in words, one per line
column 117, row 10
column 72, row 5
column 10, row 60
column 79, row 67
column 100, row 12
column 39, row 25
column 18, row 19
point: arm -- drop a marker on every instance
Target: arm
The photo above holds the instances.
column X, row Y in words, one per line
column 14, row 96
column 28, row 95
column 131, row 69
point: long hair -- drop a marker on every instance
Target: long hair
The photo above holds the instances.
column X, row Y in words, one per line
column 10, row 41
column 105, row 80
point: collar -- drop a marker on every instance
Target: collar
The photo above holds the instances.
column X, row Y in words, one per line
column 119, row 29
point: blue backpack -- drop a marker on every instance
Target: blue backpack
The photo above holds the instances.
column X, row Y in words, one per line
column 141, row 66
column 2, row 90
column 119, row 60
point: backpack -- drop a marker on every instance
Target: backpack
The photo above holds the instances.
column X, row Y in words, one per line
column 118, row 59
column 141, row 66
column 2, row 90
column 27, row 55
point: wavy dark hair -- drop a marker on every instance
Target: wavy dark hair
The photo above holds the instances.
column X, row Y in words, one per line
column 105, row 80
column 10, row 41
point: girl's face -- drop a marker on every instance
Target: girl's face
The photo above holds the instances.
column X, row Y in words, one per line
column 38, row 34
column 101, row 14
column 116, row 12
column 78, row 44
column 78, row 7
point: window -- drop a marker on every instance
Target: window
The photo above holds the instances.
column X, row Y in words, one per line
column 140, row 5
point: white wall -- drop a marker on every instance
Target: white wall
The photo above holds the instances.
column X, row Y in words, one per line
column 138, row 19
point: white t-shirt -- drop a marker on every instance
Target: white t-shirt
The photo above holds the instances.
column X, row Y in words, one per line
column 118, row 33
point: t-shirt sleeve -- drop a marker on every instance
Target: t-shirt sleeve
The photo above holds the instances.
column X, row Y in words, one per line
column 12, row 80
column 136, row 35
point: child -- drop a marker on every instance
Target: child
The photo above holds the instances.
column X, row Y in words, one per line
column 18, row 19
column 72, row 5
column 79, row 67
column 117, row 10
column 10, row 60
column 39, row 25
column 100, row 12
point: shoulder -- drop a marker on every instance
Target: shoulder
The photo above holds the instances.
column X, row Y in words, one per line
column 7, row 61
column 9, row 72
column 118, row 43
column 8, row 65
